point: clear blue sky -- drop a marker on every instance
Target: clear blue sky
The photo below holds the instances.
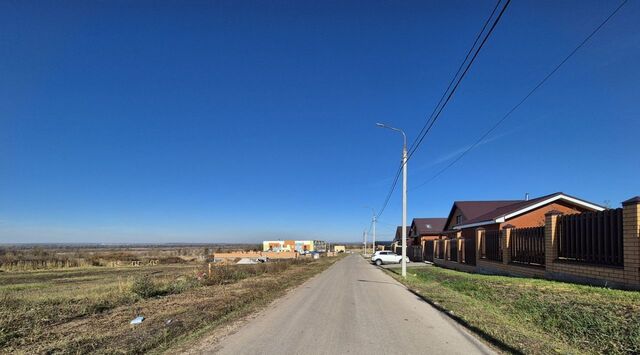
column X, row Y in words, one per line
column 234, row 121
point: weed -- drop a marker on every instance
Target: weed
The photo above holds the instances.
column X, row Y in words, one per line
column 145, row 287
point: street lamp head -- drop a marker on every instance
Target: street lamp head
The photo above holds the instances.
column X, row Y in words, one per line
column 380, row 124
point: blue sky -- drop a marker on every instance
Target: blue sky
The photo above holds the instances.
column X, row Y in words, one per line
column 233, row 121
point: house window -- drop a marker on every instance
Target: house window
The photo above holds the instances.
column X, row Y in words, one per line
column 458, row 219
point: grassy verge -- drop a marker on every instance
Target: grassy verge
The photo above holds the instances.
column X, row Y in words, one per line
column 534, row 316
column 88, row 310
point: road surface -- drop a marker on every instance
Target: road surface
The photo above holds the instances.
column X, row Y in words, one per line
column 355, row 308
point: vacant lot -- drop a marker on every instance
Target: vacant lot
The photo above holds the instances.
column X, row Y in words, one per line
column 82, row 310
column 535, row 316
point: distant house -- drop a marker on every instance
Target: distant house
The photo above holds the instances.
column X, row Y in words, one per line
column 300, row 246
column 423, row 229
column 420, row 230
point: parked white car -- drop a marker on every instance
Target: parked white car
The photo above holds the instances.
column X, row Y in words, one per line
column 386, row 257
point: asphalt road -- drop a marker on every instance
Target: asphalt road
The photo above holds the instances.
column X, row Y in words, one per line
column 355, row 308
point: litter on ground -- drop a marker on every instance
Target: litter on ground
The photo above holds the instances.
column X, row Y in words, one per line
column 137, row 320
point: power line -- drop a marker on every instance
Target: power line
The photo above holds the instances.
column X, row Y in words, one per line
column 386, row 224
column 393, row 187
column 427, row 127
column 455, row 87
column 499, row 122
column 453, row 79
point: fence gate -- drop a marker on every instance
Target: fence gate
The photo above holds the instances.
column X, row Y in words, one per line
column 414, row 253
column 453, row 250
column 493, row 245
column 428, row 250
column 469, row 245
column 441, row 249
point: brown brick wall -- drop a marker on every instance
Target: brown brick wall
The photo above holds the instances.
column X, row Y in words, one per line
column 535, row 218
column 492, row 267
column 454, row 265
column 625, row 277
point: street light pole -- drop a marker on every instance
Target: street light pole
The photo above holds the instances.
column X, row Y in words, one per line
column 404, row 208
column 404, row 196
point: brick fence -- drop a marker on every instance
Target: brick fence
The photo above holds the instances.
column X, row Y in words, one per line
column 551, row 266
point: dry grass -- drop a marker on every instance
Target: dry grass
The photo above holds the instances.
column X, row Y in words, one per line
column 88, row 310
column 26, row 258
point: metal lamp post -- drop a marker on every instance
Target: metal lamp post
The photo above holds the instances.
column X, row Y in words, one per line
column 404, row 196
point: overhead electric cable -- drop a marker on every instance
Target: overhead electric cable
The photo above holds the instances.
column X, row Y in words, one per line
column 499, row 122
column 453, row 79
column 455, row 87
column 427, row 127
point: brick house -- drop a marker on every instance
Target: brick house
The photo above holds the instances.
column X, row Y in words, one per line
column 423, row 229
column 466, row 217
column 519, row 214
column 577, row 241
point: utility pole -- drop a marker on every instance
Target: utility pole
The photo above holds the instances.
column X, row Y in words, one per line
column 373, row 249
column 364, row 242
column 404, row 196
column 404, row 207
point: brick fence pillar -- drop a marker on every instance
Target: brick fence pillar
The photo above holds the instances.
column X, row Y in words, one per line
column 631, row 240
column 550, row 237
column 506, row 243
column 447, row 249
column 458, row 242
column 480, row 245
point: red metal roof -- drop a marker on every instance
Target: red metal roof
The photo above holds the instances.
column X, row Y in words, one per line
column 428, row 225
column 514, row 207
column 474, row 209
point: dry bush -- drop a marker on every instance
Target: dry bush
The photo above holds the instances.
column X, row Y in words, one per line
column 146, row 286
column 226, row 274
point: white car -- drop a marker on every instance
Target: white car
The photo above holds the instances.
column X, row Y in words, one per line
column 386, row 257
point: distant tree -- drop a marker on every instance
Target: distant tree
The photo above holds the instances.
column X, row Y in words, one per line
column 206, row 251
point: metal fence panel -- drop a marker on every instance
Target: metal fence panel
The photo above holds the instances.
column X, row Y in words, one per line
column 493, row 245
column 591, row 237
column 527, row 245
column 469, row 251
